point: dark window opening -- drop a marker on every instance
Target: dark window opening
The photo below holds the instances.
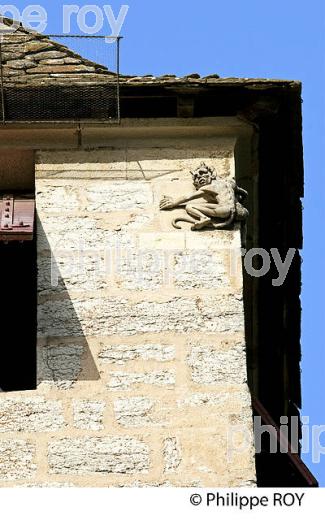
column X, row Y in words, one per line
column 18, row 282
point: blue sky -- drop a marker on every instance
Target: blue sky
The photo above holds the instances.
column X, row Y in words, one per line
column 248, row 38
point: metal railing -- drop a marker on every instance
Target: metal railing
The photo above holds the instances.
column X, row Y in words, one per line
column 59, row 78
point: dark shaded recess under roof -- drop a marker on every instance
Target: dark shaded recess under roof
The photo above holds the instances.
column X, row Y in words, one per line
column 57, row 103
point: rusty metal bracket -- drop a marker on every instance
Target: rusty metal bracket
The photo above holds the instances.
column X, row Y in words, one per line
column 17, row 218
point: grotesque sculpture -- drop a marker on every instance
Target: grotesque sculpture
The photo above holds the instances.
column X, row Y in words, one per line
column 217, row 201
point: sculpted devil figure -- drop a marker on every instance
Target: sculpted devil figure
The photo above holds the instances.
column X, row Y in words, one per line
column 216, row 203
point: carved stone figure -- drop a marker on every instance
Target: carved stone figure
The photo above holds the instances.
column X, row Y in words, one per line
column 216, row 201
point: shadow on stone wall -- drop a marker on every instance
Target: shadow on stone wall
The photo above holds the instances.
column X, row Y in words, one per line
column 63, row 353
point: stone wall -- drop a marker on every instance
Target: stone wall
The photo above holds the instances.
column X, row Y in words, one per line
column 141, row 344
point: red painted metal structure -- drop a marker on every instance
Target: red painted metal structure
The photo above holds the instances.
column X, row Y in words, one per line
column 16, row 218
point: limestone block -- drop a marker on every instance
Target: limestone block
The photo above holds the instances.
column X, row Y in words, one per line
column 108, row 316
column 58, row 199
column 16, row 460
column 218, row 363
column 61, row 234
column 48, row 485
column 121, row 354
column 200, row 270
column 172, row 482
column 140, row 270
column 89, row 161
column 227, row 401
column 174, row 241
column 134, row 411
column 172, row 454
column 30, row 415
column 116, row 196
column 127, row 380
column 207, row 454
column 88, row 415
column 213, row 241
column 73, row 271
column 59, row 365
column 98, row 455
column 180, row 160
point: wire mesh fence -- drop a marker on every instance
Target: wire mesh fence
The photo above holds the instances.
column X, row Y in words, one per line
column 59, row 78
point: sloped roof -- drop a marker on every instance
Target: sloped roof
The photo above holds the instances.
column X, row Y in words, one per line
column 30, row 58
